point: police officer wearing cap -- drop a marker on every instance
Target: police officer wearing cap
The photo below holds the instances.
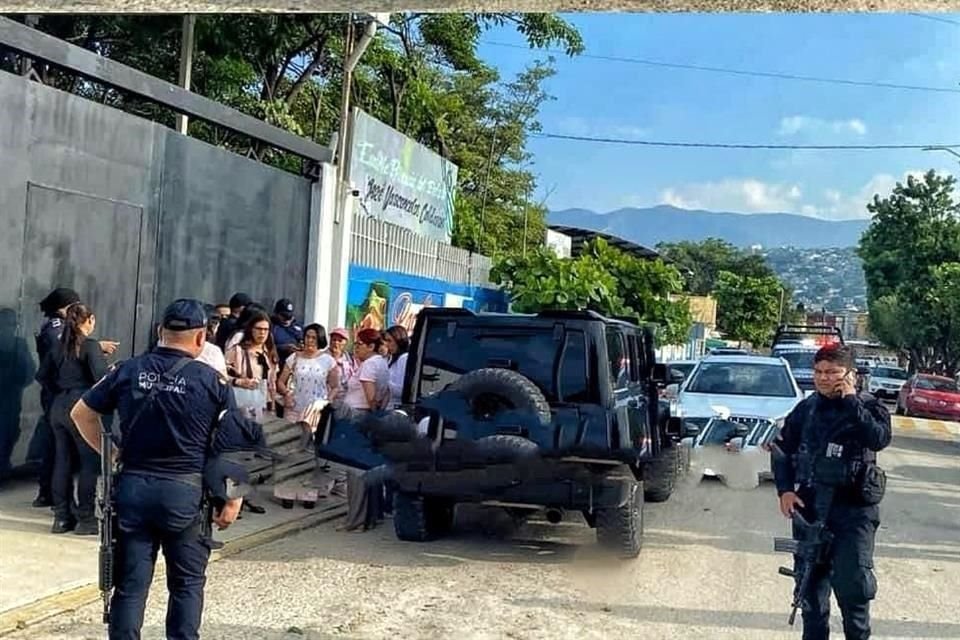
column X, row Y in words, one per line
column 287, row 334
column 47, row 339
column 826, row 468
column 168, row 405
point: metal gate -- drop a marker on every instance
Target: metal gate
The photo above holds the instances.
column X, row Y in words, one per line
column 130, row 213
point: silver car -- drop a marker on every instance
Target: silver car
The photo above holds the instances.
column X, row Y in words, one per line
column 753, row 392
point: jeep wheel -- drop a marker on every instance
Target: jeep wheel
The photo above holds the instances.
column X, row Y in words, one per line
column 660, row 474
column 491, row 391
column 620, row 529
column 419, row 519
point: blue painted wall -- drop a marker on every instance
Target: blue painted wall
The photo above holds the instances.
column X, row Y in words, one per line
column 379, row 299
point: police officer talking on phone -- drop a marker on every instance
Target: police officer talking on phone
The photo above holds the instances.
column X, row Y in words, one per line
column 168, row 404
column 838, row 430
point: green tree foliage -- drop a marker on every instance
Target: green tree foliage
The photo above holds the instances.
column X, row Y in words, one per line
column 703, row 262
column 602, row 279
column 910, row 253
column 747, row 306
column 421, row 74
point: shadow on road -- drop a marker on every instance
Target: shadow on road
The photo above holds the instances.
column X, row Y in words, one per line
column 948, row 474
column 479, row 535
column 732, row 619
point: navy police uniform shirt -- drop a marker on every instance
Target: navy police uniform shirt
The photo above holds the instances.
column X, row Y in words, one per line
column 171, row 437
column 287, row 336
column 48, row 337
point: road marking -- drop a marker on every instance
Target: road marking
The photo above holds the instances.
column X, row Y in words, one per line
column 940, row 427
column 907, row 424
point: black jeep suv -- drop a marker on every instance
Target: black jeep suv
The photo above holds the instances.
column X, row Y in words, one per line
column 555, row 411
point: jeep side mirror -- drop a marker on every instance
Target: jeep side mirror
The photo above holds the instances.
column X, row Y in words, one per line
column 672, row 390
column 689, row 430
column 660, row 373
column 675, row 427
column 677, row 376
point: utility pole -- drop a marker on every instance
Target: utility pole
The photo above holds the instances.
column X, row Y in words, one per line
column 486, row 188
column 351, row 56
column 26, row 62
column 186, row 64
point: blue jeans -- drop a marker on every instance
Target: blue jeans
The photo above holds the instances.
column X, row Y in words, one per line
column 155, row 512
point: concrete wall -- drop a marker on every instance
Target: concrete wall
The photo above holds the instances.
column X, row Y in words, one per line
column 132, row 215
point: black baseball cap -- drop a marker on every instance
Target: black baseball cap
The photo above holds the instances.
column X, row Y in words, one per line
column 184, row 314
column 239, row 300
column 284, row 307
column 58, row 299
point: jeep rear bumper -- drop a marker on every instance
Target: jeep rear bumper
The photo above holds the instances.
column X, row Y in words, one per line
column 539, row 483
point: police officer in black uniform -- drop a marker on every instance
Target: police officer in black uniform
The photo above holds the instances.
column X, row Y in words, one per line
column 836, row 429
column 53, row 306
column 164, row 449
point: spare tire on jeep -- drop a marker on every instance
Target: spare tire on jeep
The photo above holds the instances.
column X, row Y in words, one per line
column 491, row 391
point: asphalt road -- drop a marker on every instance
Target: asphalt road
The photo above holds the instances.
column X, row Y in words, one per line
column 707, row 570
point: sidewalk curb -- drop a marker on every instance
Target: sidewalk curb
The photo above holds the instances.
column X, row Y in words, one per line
column 27, row 615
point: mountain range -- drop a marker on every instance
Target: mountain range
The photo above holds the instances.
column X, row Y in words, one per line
column 665, row 223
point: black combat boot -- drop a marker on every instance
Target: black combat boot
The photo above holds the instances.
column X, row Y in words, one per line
column 63, row 525
column 42, row 500
column 86, row 527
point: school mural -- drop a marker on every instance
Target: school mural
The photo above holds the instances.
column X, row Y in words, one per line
column 379, row 299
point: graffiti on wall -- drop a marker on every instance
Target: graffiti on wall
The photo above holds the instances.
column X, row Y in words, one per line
column 380, row 299
column 382, row 306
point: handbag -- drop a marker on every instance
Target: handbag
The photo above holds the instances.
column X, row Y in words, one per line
column 252, row 401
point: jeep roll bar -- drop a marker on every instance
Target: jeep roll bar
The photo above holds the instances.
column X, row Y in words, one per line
column 801, row 330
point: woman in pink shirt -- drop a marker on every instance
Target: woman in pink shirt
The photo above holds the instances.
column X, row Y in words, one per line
column 252, row 366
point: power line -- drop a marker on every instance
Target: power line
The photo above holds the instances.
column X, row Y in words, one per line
column 935, row 18
column 718, row 145
column 740, row 72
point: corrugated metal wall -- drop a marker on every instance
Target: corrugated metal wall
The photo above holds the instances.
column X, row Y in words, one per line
column 382, row 245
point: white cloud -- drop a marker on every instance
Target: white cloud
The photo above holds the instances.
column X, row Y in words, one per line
column 755, row 196
column 599, row 128
column 792, row 125
column 837, row 206
column 743, row 196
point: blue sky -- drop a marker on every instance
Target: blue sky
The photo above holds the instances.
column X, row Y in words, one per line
column 615, row 99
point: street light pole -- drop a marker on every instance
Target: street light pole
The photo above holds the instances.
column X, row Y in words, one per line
column 946, row 149
column 351, row 56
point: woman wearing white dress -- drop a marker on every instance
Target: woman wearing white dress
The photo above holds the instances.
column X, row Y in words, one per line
column 309, row 375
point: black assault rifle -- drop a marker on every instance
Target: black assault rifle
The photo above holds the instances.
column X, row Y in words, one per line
column 108, row 521
column 810, row 545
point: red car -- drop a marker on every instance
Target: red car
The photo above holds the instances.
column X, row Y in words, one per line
column 930, row 396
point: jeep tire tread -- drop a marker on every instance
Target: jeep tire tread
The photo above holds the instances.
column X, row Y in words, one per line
column 502, row 449
column 620, row 529
column 419, row 518
column 660, row 474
